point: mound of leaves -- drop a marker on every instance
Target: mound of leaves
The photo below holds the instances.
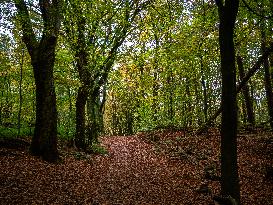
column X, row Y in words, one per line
column 163, row 167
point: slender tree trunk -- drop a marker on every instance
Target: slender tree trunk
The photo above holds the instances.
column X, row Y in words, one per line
column 7, row 108
column 271, row 66
column 229, row 168
column 243, row 113
column 155, row 80
column 188, row 104
column 204, row 86
column 267, row 83
column 170, row 95
column 70, row 120
column 20, row 94
column 246, row 93
column 81, row 57
column 1, row 106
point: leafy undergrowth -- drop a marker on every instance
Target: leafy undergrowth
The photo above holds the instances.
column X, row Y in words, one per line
column 160, row 167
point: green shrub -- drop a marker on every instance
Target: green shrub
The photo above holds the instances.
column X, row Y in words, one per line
column 13, row 132
column 97, row 149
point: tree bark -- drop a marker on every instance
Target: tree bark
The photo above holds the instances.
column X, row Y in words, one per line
column 267, row 81
column 229, row 168
column 247, row 97
column 20, row 93
column 44, row 141
column 80, row 117
column 95, row 117
column 155, row 79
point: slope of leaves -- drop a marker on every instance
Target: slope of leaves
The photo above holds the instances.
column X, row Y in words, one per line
column 161, row 167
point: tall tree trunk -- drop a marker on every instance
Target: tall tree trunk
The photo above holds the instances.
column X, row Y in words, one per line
column 7, row 107
column 20, row 93
column 155, row 79
column 95, row 117
column 246, row 93
column 204, row 86
column 170, row 88
column 70, row 120
column 81, row 57
column 267, row 82
column 229, row 168
column 80, row 117
column 44, row 141
column 188, row 104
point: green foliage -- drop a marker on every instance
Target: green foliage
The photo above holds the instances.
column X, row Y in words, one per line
column 65, row 132
column 13, row 132
column 165, row 71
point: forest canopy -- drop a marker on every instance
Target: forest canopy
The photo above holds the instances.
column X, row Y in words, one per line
column 165, row 70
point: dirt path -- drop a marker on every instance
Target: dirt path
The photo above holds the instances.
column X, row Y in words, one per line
column 135, row 174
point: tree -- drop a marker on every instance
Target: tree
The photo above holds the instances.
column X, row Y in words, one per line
column 227, row 11
column 20, row 92
column 42, row 53
column 267, row 77
column 95, row 37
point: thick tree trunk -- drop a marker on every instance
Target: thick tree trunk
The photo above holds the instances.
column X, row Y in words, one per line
column 80, row 117
column 44, row 142
column 95, row 118
column 246, row 93
column 229, row 168
column 81, row 57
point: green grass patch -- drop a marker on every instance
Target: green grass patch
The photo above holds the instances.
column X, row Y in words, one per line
column 12, row 132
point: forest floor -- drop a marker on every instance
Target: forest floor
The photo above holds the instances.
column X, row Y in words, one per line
column 159, row 167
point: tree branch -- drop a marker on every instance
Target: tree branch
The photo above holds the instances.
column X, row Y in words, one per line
column 52, row 15
column 29, row 37
column 254, row 12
